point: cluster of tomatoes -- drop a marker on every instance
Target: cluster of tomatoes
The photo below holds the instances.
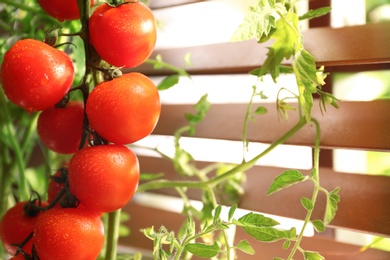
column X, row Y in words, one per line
column 103, row 173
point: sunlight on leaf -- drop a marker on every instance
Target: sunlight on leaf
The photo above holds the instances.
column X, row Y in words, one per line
column 202, row 250
column 332, row 200
column 286, row 179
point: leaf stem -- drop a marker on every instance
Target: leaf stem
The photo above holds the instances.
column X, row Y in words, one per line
column 316, row 179
column 244, row 129
column 162, row 64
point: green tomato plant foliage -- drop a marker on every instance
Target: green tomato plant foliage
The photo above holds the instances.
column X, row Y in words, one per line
column 207, row 232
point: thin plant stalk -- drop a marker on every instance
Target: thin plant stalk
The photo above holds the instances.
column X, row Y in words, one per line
column 316, row 179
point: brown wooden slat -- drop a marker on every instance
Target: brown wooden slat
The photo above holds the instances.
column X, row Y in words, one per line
column 157, row 4
column 322, row 20
column 357, row 125
column 142, row 217
column 364, row 204
column 337, row 49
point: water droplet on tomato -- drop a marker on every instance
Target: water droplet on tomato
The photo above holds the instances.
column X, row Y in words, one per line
column 45, row 79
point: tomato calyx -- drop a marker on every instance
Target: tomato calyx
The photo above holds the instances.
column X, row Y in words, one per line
column 96, row 139
column 51, row 36
column 116, row 3
column 33, row 206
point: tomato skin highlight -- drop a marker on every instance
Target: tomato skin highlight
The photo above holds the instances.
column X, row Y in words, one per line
column 36, row 76
column 68, row 233
column 15, row 226
column 62, row 9
column 125, row 109
column 131, row 30
column 104, row 178
column 60, row 129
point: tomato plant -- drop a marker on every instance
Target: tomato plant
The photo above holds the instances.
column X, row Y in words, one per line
column 68, row 233
column 35, row 76
column 103, row 174
column 60, row 128
column 62, row 9
column 96, row 171
column 125, row 109
column 131, row 28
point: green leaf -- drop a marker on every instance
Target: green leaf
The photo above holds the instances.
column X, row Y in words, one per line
column 231, row 211
column 257, row 24
column 315, row 13
column 261, row 228
column 319, row 226
column 310, row 255
column 168, row 82
column 245, row 247
column 306, row 203
column 217, row 213
column 306, row 76
column 255, row 72
column 287, row 41
column 182, row 162
column 261, row 110
column 332, row 200
column 202, row 107
column 286, row 244
column 269, row 234
column 202, row 250
column 257, row 220
column 285, row 180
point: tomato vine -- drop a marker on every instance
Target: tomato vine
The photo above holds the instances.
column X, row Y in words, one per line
column 95, row 69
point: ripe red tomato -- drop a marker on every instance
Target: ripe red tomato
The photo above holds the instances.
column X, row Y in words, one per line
column 125, row 109
column 131, row 30
column 104, row 178
column 35, row 75
column 15, row 227
column 18, row 257
column 68, row 233
column 60, row 129
column 62, row 9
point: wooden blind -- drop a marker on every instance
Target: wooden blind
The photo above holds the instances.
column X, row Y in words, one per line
column 365, row 203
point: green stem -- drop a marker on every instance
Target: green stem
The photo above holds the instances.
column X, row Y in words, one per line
column 112, row 234
column 163, row 64
column 244, row 129
column 316, row 180
column 24, row 7
column 158, row 184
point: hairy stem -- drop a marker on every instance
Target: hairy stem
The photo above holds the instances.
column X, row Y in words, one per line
column 244, row 129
